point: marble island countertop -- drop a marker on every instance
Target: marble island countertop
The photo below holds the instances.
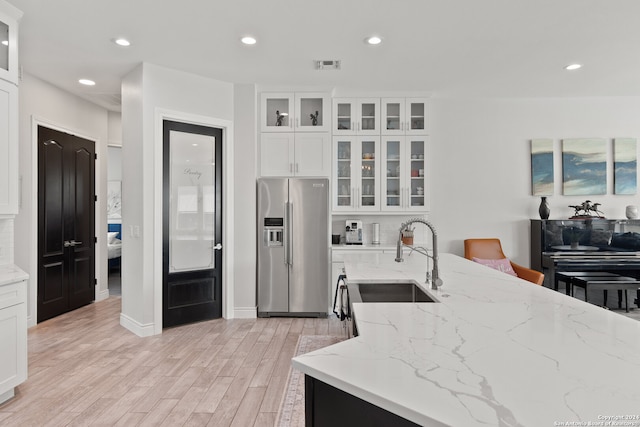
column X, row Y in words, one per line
column 10, row 273
column 494, row 351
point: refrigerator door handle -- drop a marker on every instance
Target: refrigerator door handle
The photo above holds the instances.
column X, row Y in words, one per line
column 290, row 222
column 286, row 232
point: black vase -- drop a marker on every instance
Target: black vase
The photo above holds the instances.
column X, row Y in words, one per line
column 544, row 210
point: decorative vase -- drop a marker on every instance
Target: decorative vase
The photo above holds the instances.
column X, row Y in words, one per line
column 632, row 212
column 544, row 210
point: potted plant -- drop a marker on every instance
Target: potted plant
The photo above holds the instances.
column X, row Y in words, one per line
column 407, row 236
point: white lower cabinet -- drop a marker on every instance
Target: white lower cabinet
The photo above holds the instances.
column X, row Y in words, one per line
column 13, row 336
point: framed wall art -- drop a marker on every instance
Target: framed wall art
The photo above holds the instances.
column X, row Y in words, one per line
column 584, row 166
column 625, row 175
column 542, row 167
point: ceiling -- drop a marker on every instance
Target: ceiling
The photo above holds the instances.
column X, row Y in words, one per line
column 449, row 48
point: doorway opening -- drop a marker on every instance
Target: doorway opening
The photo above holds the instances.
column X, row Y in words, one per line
column 114, row 219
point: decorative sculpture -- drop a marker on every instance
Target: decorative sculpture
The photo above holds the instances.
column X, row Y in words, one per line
column 280, row 117
column 586, row 210
column 314, row 119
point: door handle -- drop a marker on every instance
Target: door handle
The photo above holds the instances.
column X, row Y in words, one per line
column 67, row 243
column 217, row 247
column 71, row 243
column 74, row 243
column 290, row 232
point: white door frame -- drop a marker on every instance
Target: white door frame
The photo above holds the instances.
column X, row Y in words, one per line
column 227, row 208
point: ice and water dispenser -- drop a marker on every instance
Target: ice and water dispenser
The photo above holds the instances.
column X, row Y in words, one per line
column 273, row 232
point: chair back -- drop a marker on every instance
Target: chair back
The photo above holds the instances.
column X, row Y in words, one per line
column 483, row 248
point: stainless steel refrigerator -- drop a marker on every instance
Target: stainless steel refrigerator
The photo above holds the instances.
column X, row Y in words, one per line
column 293, row 247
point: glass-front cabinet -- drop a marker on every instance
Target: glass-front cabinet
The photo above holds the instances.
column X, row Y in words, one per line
column 356, row 173
column 404, row 116
column 356, row 116
column 404, row 185
column 295, row 112
column 9, row 17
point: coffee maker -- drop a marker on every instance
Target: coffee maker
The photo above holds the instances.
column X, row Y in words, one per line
column 353, row 232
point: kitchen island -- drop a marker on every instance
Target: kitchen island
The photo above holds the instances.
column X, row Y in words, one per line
column 493, row 351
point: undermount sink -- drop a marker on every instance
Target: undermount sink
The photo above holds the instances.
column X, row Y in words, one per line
column 387, row 292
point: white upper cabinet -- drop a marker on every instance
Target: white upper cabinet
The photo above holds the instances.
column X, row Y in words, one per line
column 356, row 173
column 295, row 154
column 9, row 17
column 295, row 112
column 404, row 182
column 404, row 116
column 353, row 116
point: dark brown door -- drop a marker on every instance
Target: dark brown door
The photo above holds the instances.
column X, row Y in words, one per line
column 192, row 226
column 66, row 222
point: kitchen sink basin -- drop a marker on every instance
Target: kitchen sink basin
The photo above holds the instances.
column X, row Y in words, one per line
column 387, row 292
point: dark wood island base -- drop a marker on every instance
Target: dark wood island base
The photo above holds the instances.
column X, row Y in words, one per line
column 328, row 406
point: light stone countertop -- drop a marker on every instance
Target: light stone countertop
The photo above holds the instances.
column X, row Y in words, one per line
column 10, row 273
column 495, row 351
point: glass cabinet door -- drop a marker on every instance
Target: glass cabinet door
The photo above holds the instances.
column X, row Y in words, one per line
column 367, row 189
column 344, row 117
column 369, row 116
column 416, row 113
column 393, row 116
column 392, row 186
column 4, row 46
column 344, row 182
column 417, row 186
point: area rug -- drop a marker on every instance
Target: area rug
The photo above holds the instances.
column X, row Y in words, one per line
column 291, row 413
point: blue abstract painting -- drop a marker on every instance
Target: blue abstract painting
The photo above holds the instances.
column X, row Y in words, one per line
column 542, row 167
column 625, row 176
column 584, row 166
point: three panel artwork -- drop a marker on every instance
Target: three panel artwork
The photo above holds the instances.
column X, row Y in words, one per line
column 584, row 166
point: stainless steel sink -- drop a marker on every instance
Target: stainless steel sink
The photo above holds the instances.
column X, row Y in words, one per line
column 387, row 292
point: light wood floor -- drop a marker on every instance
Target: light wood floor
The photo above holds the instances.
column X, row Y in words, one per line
column 85, row 369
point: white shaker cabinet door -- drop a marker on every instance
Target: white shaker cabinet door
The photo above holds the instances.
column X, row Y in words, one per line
column 8, row 148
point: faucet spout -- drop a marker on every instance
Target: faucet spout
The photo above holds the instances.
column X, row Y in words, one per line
column 434, row 277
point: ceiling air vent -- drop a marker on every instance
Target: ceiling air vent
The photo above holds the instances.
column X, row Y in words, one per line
column 328, row 65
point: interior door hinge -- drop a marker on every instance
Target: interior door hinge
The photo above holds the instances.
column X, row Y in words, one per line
column 95, row 239
column 95, row 197
column 95, row 155
column 95, row 281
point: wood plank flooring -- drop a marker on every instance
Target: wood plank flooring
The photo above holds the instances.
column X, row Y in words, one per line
column 86, row 369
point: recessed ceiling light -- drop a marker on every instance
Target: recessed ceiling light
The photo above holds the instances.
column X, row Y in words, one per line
column 248, row 40
column 5, row 42
column 122, row 42
column 573, row 67
column 374, row 40
column 87, row 82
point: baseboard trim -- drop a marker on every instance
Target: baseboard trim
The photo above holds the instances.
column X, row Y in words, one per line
column 137, row 328
column 245, row 313
column 102, row 295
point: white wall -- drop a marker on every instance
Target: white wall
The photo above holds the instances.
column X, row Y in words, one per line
column 481, row 175
column 148, row 91
column 40, row 101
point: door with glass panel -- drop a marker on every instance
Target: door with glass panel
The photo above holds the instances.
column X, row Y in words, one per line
column 192, row 223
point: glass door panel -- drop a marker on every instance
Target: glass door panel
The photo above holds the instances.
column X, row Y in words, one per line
column 192, row 202
column 344, row 116
column 343, row 172
column 368, row 173
column 416, row 116
column 368, row 116
column 392, row 179
column 392, row 121
column 417, row 161
column 4, row 46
